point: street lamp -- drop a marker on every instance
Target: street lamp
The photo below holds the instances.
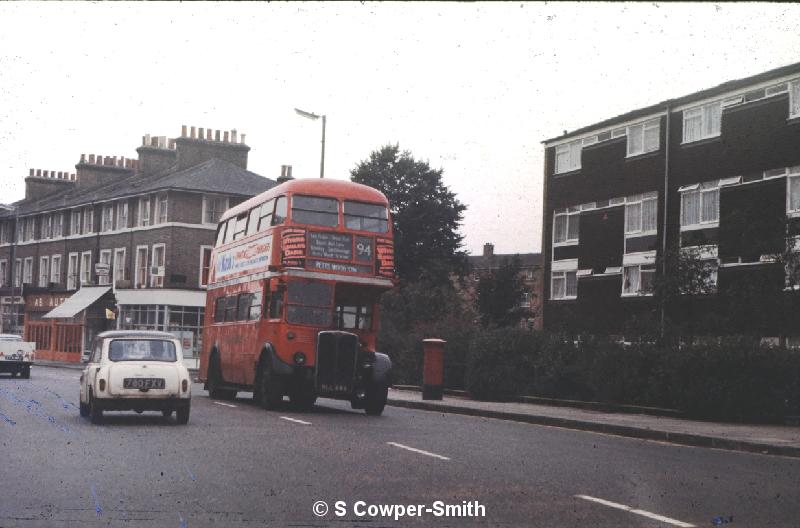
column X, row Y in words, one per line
column 314, row 117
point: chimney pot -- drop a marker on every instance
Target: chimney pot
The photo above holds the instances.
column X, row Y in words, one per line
column 193, row 132
column 72, row 177
column 91, row 158
column 83, row 158
column 242, row 141
column 200, row 133
column 216, row 135
column 209, row 136
column 488, row 249
column 225, row 137
column 183, row 130
column 233, row 136
column 32, row 172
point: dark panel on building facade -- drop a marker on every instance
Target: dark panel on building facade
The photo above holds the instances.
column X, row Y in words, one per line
column 640, row 244
column 565, row 252
column 599, row 304
column 601, row 239
column 752, row 219
column 700, row 237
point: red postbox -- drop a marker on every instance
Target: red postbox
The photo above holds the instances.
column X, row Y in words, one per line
column 433, row 369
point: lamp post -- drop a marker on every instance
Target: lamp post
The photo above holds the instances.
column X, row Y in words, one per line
column 314, row 117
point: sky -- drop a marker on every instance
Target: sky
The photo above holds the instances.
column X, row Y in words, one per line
column 471, row 88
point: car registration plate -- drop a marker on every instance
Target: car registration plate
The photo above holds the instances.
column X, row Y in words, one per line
column 143, row 383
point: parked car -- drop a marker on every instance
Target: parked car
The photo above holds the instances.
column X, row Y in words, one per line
column 135, row 370
column 16, row 355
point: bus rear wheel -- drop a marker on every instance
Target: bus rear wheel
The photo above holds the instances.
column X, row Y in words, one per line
column 268, row 391
column 215, row 389
column 375, row 399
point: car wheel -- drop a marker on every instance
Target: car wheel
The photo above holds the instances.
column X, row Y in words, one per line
column 215, row 381
column 83, row 409
column 166, row 413
column 182, row 415
column 95, row 412
column 375, row 399
column 268, row 387
column 303, row 396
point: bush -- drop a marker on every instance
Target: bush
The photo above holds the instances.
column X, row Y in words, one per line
column 499, row 363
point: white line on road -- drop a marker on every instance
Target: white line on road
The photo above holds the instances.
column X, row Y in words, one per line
column 295, row 420
column 637, row 512
column 225, row 404
column 420, row 451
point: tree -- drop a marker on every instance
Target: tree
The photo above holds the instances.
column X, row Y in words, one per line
column 498, row 294
column 426, row 214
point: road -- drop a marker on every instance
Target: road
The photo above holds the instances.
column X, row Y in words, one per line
column 238, row 465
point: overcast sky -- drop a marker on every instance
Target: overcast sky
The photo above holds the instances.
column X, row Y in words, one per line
column 472, row 88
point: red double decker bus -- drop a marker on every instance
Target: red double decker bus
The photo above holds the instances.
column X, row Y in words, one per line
column 292, row 305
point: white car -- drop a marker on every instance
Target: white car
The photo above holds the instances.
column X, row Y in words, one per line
column 16, row 355
column 135, row 370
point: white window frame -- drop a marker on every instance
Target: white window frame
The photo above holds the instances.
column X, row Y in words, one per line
column 640, row 131
column 155, row 281
column 47, row 227
column 707, row 128
column 86, row 268
column 562, row 275
column 105, row 258
column 73, row 270
column 122, row 215
column 27, row 271
column 20, row 228
column 119, row 265
column 3, row 272
column 44, row 271
column 794, row 99
column 702, row 190
column 58, row 225
column 17, row 272
column 55, row 269
column 162, row 209
column 640, row 199
column 107, row 218
column 30, row 228
column 792, row 178
column 76, row 215
column 568, row 212
column 568, row 156
column 141, row 264
column 144, row 211
column 525, row 300
column 206, row 210
column 636, row 289
column 200, row 282
column 88, row 220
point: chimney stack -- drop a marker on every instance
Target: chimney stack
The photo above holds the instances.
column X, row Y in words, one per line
column 41, row 183
column 208, row 144
column 488, row 249
column 286, row 174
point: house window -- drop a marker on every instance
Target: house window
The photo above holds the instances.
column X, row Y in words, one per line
column 75, row 222
column 44, row 271
column 565, row 225
column 27, row 273
column 105, row 258
column 86, row 268
column 47, row 226
column 20, row 230
column 122, row 214
column 72, row 271
column 144, row 211
column 161, row 208
column 30, row 226
column 205, row 264
column 640, row 214
column 3, row 272
column 88, row 220
column 55, row 269
column 700, row 204
column 564, row 285
column 17, row 273
column 5, row 232
column 638, row 279
column 568, row 156
column 525, row 300
column 794, row 99
column 644, row 137
column 157, row 273
column 119, row 264
column 793, row 192
column 58, row 225
column 702, row 122
column 108, row 217
column 141, row 267
column 213, row 207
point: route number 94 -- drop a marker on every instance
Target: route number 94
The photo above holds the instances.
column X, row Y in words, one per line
column 364, row 249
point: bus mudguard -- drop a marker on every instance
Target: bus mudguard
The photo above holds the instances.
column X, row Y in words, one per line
column 382, row 369
column 278, row 366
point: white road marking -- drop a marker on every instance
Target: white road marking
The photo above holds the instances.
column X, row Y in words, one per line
column 295, row 420
column 637, row 512
column 225, row 404
column 420, row 451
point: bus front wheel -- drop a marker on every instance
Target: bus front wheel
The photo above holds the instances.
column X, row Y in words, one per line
column 303, row 396
column 268, row 391
column 375, row 399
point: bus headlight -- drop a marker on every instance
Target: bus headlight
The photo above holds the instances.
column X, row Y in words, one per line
column 299, row 358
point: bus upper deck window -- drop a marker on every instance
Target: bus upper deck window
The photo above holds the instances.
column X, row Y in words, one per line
column 229, row 227
column 315, row 210
column 221, row 233
column 366, row 217
column 265, row 215
column 241, row 226
column 280, row 211
column 252, row 222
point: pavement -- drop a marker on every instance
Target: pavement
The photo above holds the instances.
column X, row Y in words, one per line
column 781, row 440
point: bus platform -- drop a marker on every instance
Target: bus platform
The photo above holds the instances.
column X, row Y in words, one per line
column 782, row 440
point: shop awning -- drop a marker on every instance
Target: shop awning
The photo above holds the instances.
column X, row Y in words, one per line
column 79, row 301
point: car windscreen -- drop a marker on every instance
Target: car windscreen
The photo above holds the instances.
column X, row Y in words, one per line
column 142, row 350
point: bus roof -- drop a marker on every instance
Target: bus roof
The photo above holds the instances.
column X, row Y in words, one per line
column 315, row 187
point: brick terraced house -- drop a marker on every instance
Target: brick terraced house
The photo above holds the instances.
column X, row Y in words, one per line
column 121, row 243
column 716, row 174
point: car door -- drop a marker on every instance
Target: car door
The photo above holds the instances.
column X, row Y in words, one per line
column 90, row 372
